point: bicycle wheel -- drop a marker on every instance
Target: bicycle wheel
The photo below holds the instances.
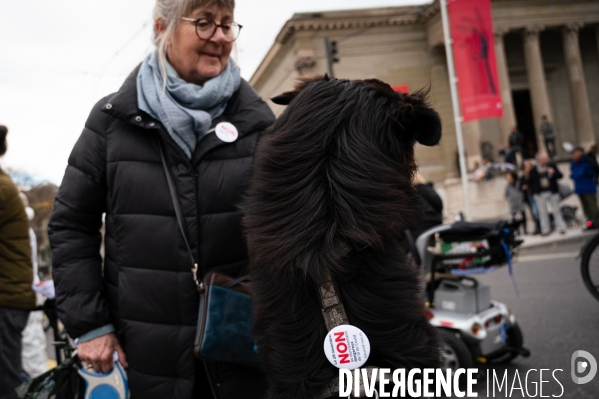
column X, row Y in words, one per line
column 589, row 266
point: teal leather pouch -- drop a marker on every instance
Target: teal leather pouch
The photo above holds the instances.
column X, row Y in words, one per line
column 225, row 319
column 227, row 335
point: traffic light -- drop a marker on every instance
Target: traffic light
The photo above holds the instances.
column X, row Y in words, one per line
column 331, row 53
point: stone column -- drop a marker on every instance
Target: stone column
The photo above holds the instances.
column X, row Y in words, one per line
column 441, row 99
column 578, row 89
column 597, row 35
column 536, row 79
column 509, row 116
column 471, row 132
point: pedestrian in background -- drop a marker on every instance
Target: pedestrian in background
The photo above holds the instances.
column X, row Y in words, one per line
column 187, row 97
column 548, row 133
column 509, row 155
column 486, row 149
column 585, row 187
column 516, row 145
column 34, row 357
column 16, row 275
column 431, row 206
column 543, row 185
column 515, row 199
column 592, row 159
column 528, row 165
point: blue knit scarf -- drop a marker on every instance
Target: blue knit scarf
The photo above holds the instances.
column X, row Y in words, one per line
column 185, row 109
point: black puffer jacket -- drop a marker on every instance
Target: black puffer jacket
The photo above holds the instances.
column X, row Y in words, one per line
column 146, row 288
column 535, row 177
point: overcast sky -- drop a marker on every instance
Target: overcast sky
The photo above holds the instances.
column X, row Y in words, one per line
column 58, row 58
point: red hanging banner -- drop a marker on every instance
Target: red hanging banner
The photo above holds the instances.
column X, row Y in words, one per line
column 471, row 28
column 401, row 88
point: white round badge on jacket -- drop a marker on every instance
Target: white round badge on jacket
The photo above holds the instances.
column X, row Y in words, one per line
column 347, row 347
column 226, row 132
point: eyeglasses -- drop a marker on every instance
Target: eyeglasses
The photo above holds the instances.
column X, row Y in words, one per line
column 206, row 28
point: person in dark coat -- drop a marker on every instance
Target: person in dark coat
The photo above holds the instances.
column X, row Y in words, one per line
column 516, row 139
column 548, row 133
column 516, row 147
column 431, row 206
column 486, row 149
column 592, row 159
column 515, row 198
column 529, row 200
column 16, row 275
column 542, row 183
column 583, row 176
column 140, row 300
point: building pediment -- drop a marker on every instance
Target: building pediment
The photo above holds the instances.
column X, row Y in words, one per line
column 352, row 19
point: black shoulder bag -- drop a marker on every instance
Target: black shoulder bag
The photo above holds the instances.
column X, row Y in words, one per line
column 225, row 315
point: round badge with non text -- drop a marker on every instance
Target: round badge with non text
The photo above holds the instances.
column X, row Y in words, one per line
column 347, row 347
column 226, row 132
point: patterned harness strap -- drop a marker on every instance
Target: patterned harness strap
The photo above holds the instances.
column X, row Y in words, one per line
column 332, row 308
column 334, row 315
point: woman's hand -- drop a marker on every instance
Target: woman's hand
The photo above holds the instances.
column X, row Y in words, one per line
column 98, row 352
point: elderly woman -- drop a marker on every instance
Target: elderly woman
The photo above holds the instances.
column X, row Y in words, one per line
column 140, row 300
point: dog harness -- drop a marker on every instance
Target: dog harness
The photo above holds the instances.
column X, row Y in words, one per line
column 334, row 315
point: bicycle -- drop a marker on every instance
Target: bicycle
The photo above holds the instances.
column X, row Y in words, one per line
column 589, row 265
column 62, row 381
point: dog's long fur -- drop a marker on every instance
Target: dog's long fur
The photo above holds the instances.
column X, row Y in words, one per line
column 334, row 172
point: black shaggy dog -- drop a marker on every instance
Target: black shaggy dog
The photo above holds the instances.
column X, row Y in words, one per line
column 334, row 172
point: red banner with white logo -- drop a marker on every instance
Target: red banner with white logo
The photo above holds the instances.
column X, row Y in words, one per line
column 471, row 28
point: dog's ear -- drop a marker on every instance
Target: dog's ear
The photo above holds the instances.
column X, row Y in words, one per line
column 284, row 98
column 300, row 84
column 418, row 118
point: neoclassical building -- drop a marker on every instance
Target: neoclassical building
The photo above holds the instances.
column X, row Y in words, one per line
column 547, row 56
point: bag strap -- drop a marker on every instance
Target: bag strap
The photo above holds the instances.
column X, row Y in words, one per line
column 179, row 214
column 238, row 280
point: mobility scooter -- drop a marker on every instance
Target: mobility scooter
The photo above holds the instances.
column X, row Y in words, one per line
column 472, row 327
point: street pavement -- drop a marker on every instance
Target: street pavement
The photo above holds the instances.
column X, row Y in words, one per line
column 573, row 234
column 557, row 317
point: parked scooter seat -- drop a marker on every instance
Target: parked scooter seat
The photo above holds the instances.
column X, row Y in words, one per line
column 465, row 231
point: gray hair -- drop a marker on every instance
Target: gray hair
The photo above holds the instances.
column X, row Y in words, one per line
column 541, row 155
column 171, row 12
